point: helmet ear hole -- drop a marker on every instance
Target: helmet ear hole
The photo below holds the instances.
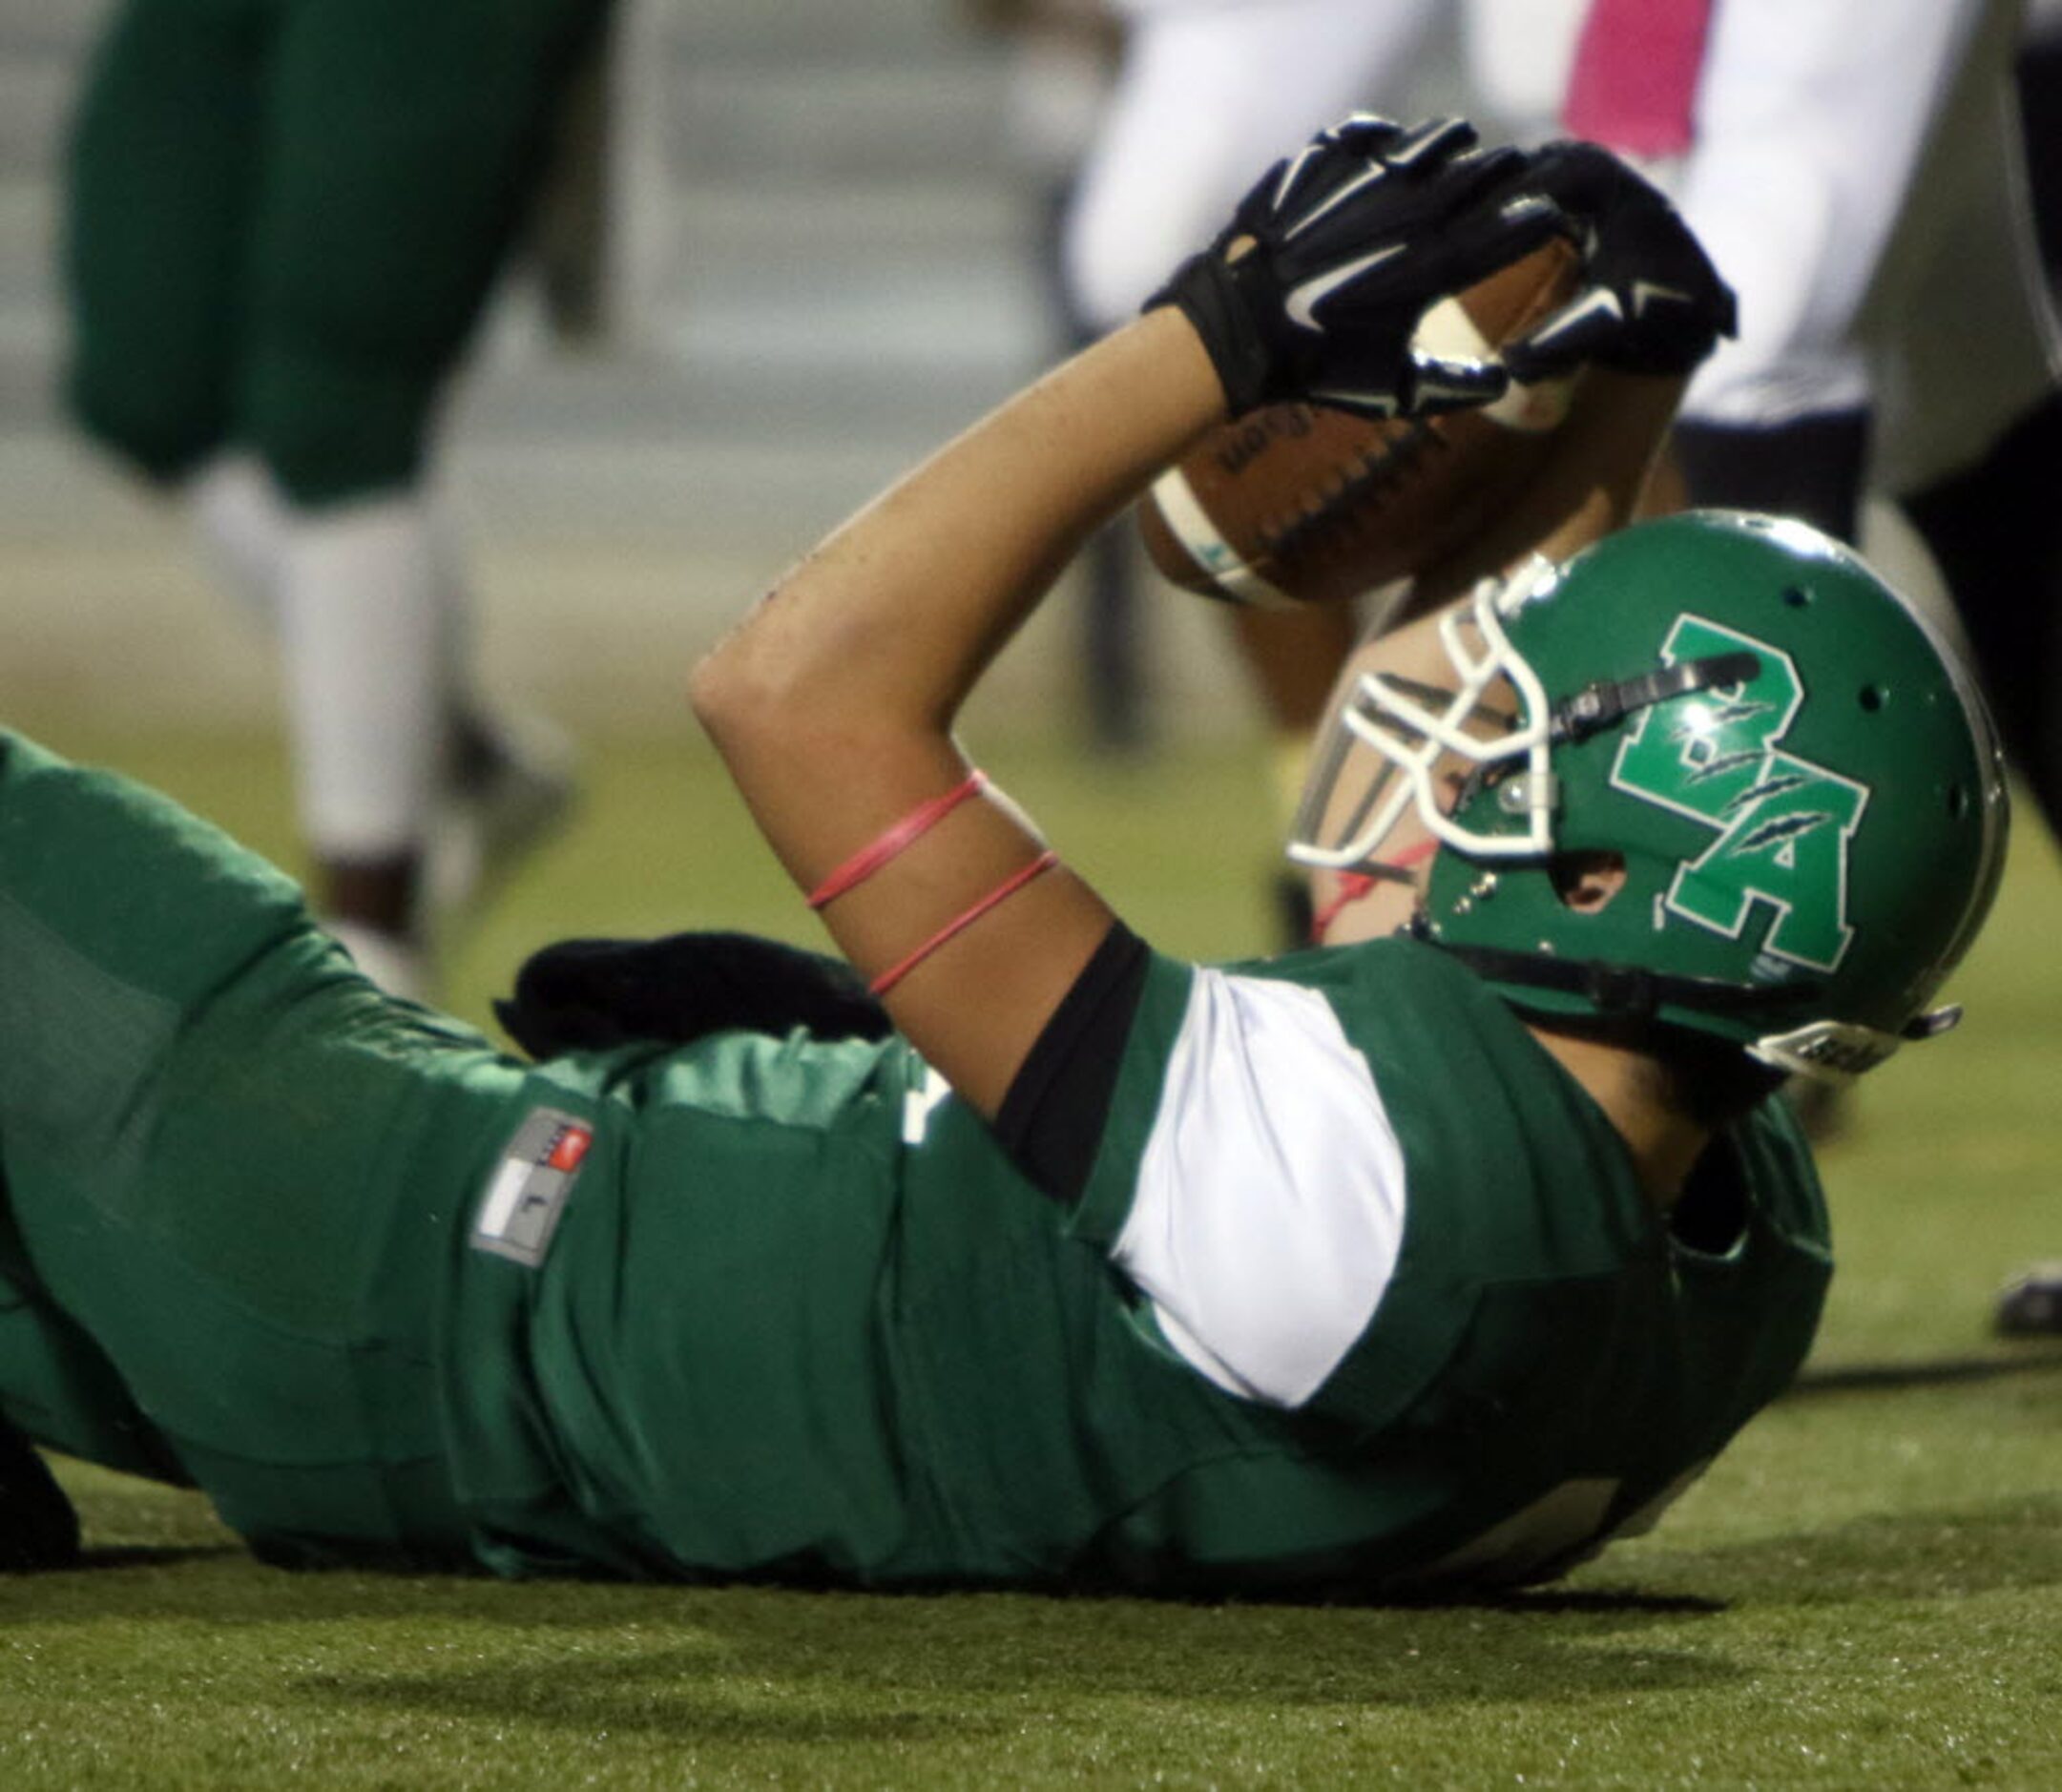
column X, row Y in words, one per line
column 1586, row 883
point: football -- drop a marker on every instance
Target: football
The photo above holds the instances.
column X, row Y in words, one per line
column 1296, row 503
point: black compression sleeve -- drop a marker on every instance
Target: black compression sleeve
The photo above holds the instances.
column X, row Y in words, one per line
column 1051, row 1120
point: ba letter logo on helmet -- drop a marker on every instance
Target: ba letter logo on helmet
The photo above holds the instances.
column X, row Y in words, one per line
column 1783, row 823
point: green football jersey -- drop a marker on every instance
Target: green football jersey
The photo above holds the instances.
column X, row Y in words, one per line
column 1360, row 1291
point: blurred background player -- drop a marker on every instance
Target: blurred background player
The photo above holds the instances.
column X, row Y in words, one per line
column 2000, row 516
column 283, row 221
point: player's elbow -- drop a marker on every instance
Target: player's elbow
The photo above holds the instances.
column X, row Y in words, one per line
column 725, row 691
column 749, row 689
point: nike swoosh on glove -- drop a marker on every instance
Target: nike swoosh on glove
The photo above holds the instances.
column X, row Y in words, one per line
column 1316, row 287
column 1651, row 301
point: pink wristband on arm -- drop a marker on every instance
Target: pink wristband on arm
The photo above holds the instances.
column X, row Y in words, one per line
column 898, row 838
column 1007, row 888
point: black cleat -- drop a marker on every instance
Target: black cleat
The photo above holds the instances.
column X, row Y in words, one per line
column 38, row 1529
column 2029, row 1306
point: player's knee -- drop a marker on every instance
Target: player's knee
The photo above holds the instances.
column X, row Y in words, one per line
column 331, row 432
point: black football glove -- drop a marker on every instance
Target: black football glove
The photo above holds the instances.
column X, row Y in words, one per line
column 588, row 995
column 1651, row 301
column 1351, row 240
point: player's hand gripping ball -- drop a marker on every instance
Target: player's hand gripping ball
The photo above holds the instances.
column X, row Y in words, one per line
column 1316, row 287
column 1329, row 288
column 1296, row 503
column 1650, row 300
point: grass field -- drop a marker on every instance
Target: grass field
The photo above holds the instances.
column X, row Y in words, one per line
column 1867, row 1592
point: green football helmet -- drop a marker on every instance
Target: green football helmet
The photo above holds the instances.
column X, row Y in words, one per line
column 1798, row 777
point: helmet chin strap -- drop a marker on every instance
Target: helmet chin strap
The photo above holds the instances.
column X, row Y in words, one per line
column 1615, row 992
column 1825, row 1051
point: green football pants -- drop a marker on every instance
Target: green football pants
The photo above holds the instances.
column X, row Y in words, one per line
column 237, row 1177
column 285, row 218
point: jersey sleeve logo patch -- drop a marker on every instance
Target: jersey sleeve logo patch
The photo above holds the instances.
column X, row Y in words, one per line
column 526, row 1194
column 571, row 1147
column 1783, row 825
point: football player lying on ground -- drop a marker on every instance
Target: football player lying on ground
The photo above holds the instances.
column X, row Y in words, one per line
column 1432, row 1260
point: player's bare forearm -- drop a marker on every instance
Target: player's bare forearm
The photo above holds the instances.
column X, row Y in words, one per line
column 833, row 702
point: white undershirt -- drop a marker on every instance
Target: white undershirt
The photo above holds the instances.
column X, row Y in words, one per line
column 1269, row 1206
